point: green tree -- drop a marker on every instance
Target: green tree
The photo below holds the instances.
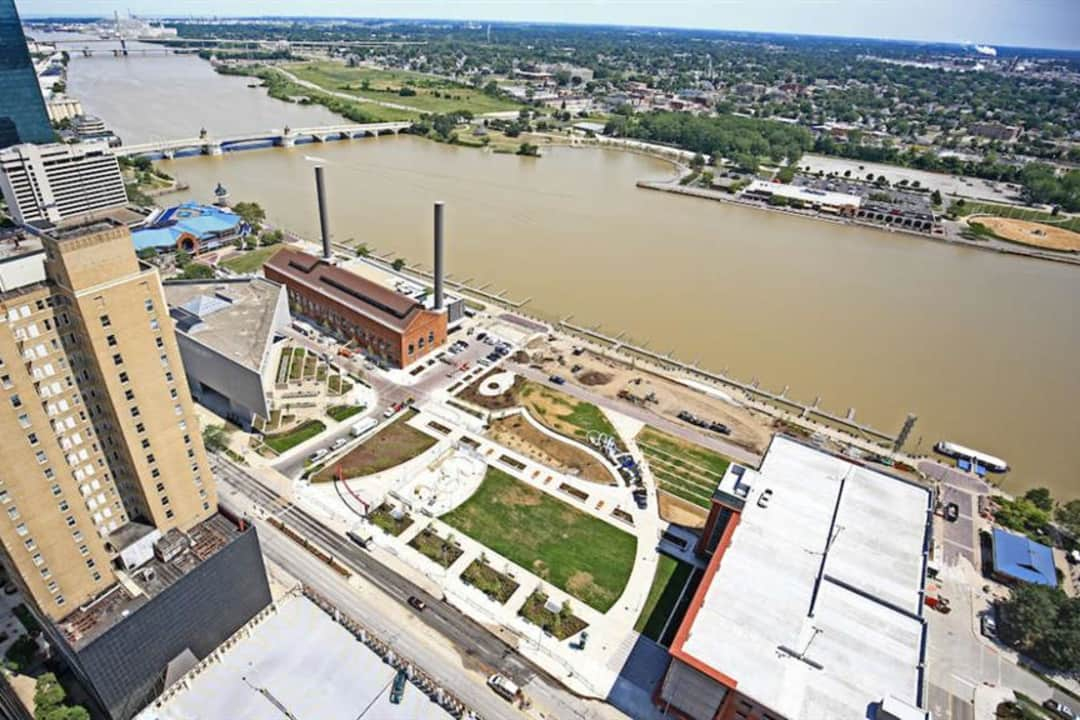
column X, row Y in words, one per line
column 196, row 271
column 1028, row 615
column 48, row 693
column 362, row 250
column 398, row 264
column 1040, row 497
column 182, row 259
column 215, row 438
column 252, row 213
column 935, row 197
column 1069, row 517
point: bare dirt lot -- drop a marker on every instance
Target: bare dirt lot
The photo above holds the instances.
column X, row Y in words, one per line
column 679, row 512
column 1032, row 233
column 749, row 429
column 516, row 433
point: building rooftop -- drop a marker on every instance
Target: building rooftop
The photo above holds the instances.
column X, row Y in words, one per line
column 1019, row 557
column 805, row 194
column 359, row 294
column 16, row 243
column 296, row 663
column 235, row 318
column 814, row 606
column 82, row 225
column 192, row 219
column 135, row 589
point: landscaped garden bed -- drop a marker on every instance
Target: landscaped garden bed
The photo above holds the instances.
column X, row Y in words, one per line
column 496, row 585
column 562, row 624
column 383, row 517
column 282, row 442
column 442, row 550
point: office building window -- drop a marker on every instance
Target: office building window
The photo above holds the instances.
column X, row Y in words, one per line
column 118, row 359
column 111, row 340
column 123, row 377
column 16, row 401
column 149, row 305
column 105, row 322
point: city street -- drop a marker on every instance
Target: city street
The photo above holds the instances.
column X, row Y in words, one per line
column 473, row 649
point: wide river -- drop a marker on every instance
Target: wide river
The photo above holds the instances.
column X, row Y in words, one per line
column 984, row 348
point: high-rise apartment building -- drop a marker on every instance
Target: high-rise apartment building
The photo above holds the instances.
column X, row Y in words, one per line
column 97, row 428
column 52, row 183
column 23, row 117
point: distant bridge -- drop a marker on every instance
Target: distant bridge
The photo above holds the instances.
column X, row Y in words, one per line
column 286, row 137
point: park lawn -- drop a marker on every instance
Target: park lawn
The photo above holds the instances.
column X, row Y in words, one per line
column 389, row 447
column 578, row 553
column 381, row 518
column 251, row 260
column 383, row 86
column 667, row 586
column 488, row 580
column 441, row 550
column 343, row 412
column 683, row 469
column 281, row 442
column 562, row 625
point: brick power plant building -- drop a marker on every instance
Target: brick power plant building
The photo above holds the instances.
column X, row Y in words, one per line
column 387, row 326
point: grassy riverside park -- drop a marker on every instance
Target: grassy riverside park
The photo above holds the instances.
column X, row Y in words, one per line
column 578, row 553
column 280, row 442
column 667, row 586
column 683, row 469
column 436, row 95
column 251, row 260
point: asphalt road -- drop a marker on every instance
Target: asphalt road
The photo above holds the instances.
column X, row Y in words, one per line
column 474, row 644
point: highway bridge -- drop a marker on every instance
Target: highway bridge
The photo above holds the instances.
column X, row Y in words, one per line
column 286, row 137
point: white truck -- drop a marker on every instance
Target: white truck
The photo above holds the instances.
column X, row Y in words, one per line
column 504, row 686
column 361, row 427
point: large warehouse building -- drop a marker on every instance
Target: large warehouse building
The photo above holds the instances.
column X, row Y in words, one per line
column 811, row 605
column 226, row 331
column 389, row 327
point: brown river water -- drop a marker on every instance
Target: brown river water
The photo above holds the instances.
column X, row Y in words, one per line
column 984, row 348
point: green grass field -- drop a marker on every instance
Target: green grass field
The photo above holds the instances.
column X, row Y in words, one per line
column 251, row 260
column 1017, row 213
column 288, row 440
column 667, row 587
column 683, row 469
column 583, row 555
column 433, row 94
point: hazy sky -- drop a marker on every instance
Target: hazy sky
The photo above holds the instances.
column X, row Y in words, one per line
column 1032, row 23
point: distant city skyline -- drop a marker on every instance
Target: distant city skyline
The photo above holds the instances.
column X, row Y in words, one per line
column 1026, row 23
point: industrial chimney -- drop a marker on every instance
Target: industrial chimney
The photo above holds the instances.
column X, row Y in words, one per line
column 324, row 221
column 439, row 255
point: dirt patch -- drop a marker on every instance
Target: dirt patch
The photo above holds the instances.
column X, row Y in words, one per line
column 593, row 378
column 522, row 436
column 521, row 495
column 1032, row 233
column 680, row 512
column 579, row 582
column 391, row 446
column 749, row 429
column 505, row 401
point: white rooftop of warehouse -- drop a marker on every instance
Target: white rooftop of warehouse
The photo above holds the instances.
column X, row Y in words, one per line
column 807, row 195
column 864, row 639
column 309, row 665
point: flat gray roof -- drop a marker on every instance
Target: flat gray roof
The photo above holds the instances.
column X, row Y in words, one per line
column 232, row 317
column 307, row 664
column 815, row 607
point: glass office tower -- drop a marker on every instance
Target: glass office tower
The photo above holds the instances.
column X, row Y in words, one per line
column 23, row 118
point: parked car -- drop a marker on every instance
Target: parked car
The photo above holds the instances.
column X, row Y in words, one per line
column 764, row 498
column 389, row 412
column 952, row 512
column 318, row 455
column 1060, row 709
column 339, row 443
column 417, row 603
column 988, row 624
column 481, row 335
column 720, row 428
column 557, row 379
column 641, row 498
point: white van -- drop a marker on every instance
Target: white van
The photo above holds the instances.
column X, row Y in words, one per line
column 363, row 426
column 504, row 686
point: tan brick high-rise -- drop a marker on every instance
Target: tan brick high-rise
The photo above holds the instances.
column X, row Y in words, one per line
column 96, row 422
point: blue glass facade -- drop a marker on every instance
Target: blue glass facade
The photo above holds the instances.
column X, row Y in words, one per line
column 23, row 118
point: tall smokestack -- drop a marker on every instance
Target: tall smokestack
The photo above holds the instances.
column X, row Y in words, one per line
column 324, row 221
column 439, row 255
